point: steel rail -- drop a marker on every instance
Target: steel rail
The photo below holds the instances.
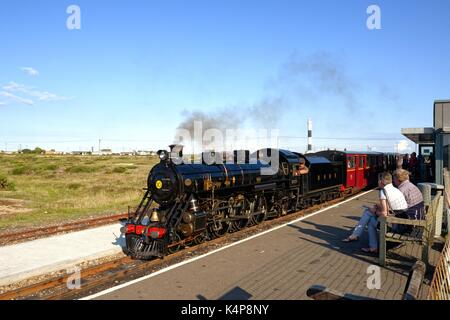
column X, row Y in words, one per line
column 41, row 232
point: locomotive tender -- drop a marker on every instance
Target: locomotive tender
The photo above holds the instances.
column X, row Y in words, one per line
column 200, row 201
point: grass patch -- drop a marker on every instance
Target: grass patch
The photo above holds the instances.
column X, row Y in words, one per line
column 50, row 167
column 119, row 170
column 6, row 185
column 74, row 186
column 20, row 170
column 65, row 188
column 81, row 169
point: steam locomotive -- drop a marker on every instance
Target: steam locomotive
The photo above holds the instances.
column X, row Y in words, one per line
column 196, row 202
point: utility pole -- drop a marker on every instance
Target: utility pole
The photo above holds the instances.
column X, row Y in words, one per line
column 99, row 141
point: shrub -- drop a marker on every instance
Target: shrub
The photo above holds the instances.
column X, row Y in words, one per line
column 81, row 169
column 36, row 150
column 74, row 186
column 51, row 167
column 5, row 184
column 19, row 170
column 119, row 169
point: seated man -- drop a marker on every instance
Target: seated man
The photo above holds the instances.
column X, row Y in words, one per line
column 413, row 196
column 390, row 199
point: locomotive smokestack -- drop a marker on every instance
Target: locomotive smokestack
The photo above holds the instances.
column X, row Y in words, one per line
column 309, row 135
column 176, row 153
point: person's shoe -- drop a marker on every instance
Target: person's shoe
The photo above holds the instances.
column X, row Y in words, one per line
column 369, row 250
column 350, row 239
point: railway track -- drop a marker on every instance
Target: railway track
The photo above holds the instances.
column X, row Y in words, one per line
column 14, row 237
column 108, row 274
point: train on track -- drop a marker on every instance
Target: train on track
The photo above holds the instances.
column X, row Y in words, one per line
column 196, row 202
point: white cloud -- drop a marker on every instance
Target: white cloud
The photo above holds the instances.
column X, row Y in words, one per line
column 31, row 92
column 30, row 71
column 14, row 87
column 403, row 146
column 13, row 97
column 48, row 96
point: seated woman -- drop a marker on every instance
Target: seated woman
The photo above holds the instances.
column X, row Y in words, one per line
column 389, row 198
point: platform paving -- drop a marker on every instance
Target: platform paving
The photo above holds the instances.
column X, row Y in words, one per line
column 32, row 258
column 281, row 265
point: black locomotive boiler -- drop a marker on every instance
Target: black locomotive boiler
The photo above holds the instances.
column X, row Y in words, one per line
column 190, row 203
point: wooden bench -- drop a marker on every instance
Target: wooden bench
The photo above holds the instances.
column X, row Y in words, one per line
column 411, row 292
column 422, row 231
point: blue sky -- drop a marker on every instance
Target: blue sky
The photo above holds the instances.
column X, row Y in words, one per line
column 134, row 66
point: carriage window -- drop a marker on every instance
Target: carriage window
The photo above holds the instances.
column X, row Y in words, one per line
column 350, row 162
column 361, row 162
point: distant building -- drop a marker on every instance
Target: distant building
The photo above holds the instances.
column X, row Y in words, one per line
column 128, row 153
column 145, row 153
column 53, row 152
column 81, row 153
column 103, row 152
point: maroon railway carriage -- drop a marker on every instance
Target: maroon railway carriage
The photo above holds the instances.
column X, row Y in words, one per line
column 359, row 169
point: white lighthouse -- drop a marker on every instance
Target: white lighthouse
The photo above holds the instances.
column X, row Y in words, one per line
column 309, row 136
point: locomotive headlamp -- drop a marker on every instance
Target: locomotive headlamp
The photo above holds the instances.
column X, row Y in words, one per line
column 163, row 155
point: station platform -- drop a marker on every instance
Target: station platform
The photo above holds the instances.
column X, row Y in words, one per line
column 280, row 264
column 33, row 258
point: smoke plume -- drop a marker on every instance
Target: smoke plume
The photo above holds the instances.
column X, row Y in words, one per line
column 301, row 78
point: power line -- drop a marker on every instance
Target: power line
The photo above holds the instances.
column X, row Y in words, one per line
column 342, row 138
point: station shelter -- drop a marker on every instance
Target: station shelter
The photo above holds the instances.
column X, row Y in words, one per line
column 433, row 143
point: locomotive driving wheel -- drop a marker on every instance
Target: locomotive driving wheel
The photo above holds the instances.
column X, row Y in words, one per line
column 218, row 227
column 200, row 238
column 242, row 210
column 261, row 207
column 175, row 245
